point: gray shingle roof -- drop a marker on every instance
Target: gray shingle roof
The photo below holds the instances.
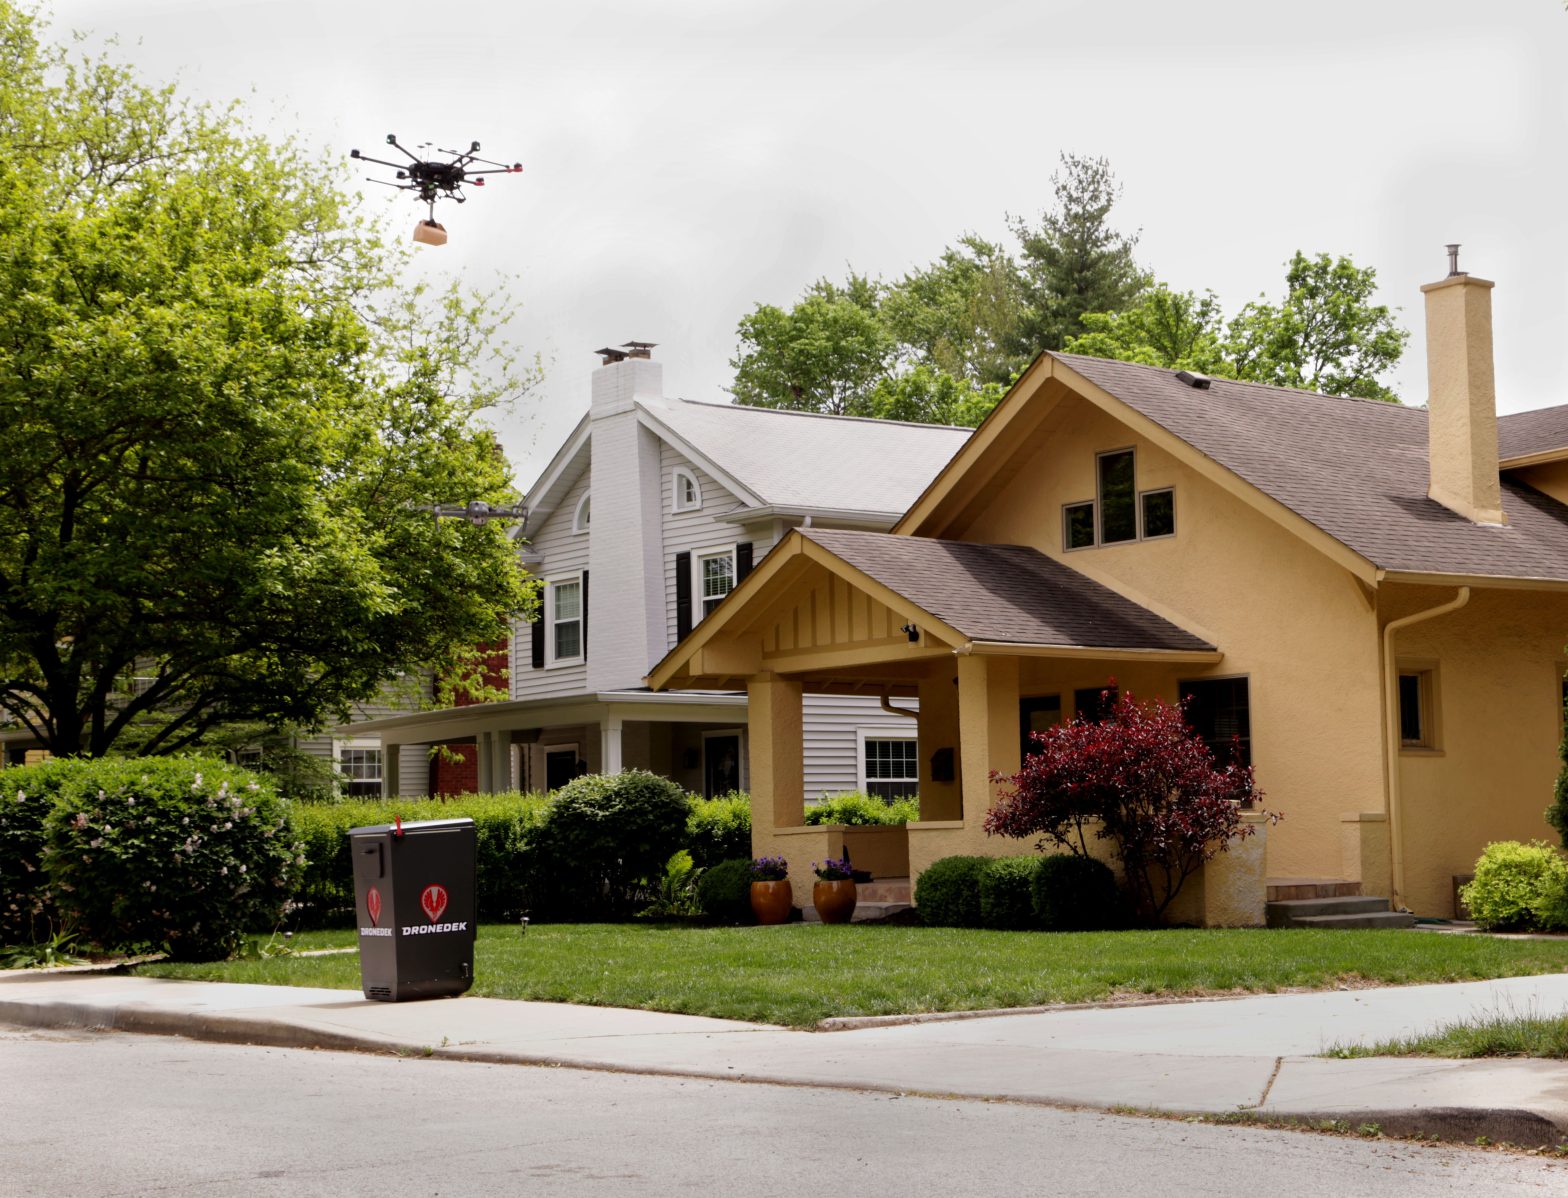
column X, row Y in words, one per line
column 801, row 460
column 1540, row 431
column 1356, row 468
column 1008, row 593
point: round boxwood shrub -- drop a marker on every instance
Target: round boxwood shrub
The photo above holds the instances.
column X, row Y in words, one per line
column 1076, row 894
column 602, row 845
column 724, row 891
column 1519, row 887
column 1007, row 893
column 187, row 853
column 719, row 828
column 947, row 893
column 26, row 795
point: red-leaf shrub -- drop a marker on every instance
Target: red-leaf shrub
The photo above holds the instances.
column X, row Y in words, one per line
column 1140, row 779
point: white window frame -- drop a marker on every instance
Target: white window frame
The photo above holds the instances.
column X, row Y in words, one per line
column 862, row 735
column 360, row 744
column 551, row 661
column 539, row 766
column 699, row 609
column 676, row 503
column 579, row 522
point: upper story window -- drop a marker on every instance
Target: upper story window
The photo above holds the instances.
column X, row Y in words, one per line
column 714, row 577
column 583, row 513
column 564, row 619
column 1120, row 512
column 688, row 495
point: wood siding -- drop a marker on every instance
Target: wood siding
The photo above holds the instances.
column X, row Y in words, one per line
column 563, row 552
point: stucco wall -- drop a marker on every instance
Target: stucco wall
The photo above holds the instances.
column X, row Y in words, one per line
column 1299, row 626
column 1498, row 681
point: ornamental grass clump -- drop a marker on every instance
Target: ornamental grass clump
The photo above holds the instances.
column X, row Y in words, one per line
column 1139, row 779
column 183, row 853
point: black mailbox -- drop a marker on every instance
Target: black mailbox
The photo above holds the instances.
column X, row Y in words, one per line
column 414, row 896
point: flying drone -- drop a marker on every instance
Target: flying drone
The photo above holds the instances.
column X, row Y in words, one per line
column 477, row 512
column 434, row 180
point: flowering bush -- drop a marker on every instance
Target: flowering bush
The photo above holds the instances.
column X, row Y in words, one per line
column 188, row 853
column 769, row 869
column 833, row 869
column 26, row 795
column 1139, row 778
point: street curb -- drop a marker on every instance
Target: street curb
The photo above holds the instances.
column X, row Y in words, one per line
column 1517, row 1126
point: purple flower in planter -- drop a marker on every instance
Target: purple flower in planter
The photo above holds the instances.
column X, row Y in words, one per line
column 833, row 869
column 769, row 869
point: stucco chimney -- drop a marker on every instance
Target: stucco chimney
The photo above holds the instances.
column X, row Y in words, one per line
column 1462, row 397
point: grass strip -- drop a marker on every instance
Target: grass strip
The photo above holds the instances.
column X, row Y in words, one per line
column 798, row 974
column 1505, row 1035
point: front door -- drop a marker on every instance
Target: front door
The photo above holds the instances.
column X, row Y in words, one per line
column 720, row 764
column 560, row 767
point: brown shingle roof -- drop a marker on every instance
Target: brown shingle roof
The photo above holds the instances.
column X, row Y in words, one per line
column 1007, row 593
column 1356, row 468
column 1522, row 433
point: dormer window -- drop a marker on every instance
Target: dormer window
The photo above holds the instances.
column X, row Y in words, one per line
column 1120, row 512
column 583, row 513
column 687, row 493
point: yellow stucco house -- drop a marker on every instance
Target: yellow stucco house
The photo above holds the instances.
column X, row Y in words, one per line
column 1372, row 598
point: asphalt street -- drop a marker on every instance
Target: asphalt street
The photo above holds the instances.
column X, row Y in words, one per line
column 100, row 1114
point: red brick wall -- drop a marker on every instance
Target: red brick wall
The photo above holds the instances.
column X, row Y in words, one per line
column 457, row 776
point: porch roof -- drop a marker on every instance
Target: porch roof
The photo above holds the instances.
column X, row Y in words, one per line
column 1008, row 594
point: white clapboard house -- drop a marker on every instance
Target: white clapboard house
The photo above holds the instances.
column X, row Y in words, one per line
column 639, row 527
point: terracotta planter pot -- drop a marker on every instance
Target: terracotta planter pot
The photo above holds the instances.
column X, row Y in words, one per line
column 834, row 901
column 771, row 901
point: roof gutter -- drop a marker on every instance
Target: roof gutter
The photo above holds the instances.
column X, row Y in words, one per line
column 1392, row 798
column 1085, row 652
column 873, row 520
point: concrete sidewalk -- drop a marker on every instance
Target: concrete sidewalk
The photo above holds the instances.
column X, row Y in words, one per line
column 1253, row 1054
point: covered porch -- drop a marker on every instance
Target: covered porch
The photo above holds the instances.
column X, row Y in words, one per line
column 993, row 641
column 696, row 738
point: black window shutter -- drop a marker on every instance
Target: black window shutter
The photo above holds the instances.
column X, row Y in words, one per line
column 537, row 628
column 585, row 613
column 742, row 561
column 682, row 595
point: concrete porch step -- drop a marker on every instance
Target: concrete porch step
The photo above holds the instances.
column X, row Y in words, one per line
column 1290, row 889
column 885, row 890
column 1285, row 913
column 863, row 911
column 1366, row 919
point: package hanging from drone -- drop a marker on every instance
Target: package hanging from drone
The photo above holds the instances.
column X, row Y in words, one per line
column 428, row 232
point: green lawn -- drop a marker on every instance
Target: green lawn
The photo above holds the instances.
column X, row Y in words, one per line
column 1497, row 1036
column 798, row 974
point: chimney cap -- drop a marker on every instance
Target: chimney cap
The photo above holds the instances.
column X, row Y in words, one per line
column 1453, row 259
column 638, row 349
column 610, row 355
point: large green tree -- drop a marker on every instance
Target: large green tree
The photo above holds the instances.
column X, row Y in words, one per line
column 222, row 412
column 1074, row 261
column 1179, row 329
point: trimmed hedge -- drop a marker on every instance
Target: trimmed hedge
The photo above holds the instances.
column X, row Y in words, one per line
column 1076, row 894
column 724, row 891
column 27, row 793
column 502, row 823
column 1519, row 887
column 1007, row 893
column 188, row 853
column 719, row 828
column 947, row 893
column 603, row 843
column 856, row 809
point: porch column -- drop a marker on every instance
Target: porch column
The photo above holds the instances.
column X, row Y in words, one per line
column 610, row 745
column 501, row 771
column 987, row 728
column 391, row 758
column 938, row 730
column 777, row 748
column 484, row 760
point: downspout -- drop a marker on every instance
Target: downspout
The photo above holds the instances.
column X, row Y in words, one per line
column 887, row 706
column 1391, row 739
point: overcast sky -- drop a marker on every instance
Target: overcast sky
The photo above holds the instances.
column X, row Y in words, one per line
column 686, row 160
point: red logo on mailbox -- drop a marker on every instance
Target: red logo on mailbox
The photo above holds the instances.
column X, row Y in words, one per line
column 433, row 900
column 373, row 905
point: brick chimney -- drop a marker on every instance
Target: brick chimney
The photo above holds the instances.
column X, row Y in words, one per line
column 1462, row 396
